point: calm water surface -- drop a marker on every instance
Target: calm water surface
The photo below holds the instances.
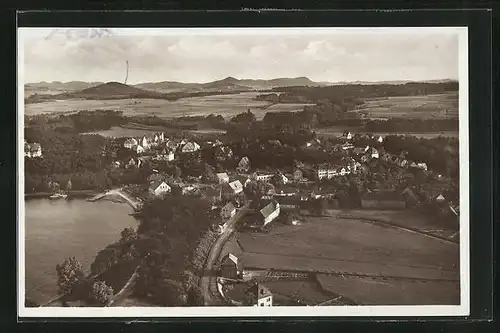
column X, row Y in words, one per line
column 57, row 229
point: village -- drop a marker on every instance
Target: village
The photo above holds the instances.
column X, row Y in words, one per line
column 249, row 199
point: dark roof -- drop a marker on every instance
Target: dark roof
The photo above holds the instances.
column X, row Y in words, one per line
column 383, row 195
column 259, row 290
column 268, row 209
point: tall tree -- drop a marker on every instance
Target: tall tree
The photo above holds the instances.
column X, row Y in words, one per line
column 69, row 273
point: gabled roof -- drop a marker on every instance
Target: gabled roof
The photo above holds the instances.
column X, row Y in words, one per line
column 232, row 259
column 268, row 209
column 259, row 291
column 229, row 206
column 222, row 175
column 236, row 185
column 155, row 184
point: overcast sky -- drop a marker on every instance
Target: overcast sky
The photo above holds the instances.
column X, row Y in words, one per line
column 202, row 55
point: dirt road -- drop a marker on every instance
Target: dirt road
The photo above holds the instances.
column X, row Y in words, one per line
column 208, row 282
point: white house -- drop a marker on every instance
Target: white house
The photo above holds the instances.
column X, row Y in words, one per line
column 130, row 143
column 347, row 135
column 380, row 139
column 374, row 153
column 265, row 177
column 223, row 178
column 139, row 149
column 190, row 147
column 159, row 187
column 144, row 142
column 228, row 211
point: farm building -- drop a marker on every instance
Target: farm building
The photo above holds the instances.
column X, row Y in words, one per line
column 383, row 199
column 231, row 267
column 159, row 187
column 259, row 295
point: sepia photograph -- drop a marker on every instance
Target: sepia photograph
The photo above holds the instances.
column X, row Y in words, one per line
column 204, row 172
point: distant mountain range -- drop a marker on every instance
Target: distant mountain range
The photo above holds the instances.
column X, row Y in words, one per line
column 80, row 89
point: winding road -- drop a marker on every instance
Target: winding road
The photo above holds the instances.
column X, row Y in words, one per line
column 208, row 282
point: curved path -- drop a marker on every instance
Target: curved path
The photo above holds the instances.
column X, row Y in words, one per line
column 208, row 282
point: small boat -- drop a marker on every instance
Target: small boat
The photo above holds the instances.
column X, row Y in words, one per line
column 58, row 196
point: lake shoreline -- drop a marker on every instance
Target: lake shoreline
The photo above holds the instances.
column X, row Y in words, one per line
column 74, row 194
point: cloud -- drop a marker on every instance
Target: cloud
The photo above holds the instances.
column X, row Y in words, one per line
column 205, row 56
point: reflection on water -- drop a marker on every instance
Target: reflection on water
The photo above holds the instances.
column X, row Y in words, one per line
column 55, row 230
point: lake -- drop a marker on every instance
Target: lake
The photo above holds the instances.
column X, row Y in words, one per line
column 57, row 229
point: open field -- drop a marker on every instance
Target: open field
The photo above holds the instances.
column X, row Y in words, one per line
column 404, row 219
column 351, row 247
column 225, row 105
column 338, row 131
column 437, row 106
column 368, row 291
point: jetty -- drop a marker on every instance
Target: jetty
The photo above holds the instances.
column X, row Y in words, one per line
column 132, row 202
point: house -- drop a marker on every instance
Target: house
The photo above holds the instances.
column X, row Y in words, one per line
column 326, row 171
column 347, row 135
column 130, row 143
column 373, row 152
column 227, row 211
column 243, row 165
column 258, row 295
column 265, row 177
column 222, row 178
column 133, row 163
column 281, row 178
column 138, row 149
column 231, row 267
column 190, row 147
column 379, row 139
column 144, row 142
column 189, row 189
column 155, row 141
column 161, row 136
column 269, row 212
column 35, row 150
column 159, row 187
column 422, row 166
column 440, row 198
column 347, row 146
column 232, row 188
column 342, row 171
column 383, row 199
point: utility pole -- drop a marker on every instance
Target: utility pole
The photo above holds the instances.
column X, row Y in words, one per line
column 126, row 76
